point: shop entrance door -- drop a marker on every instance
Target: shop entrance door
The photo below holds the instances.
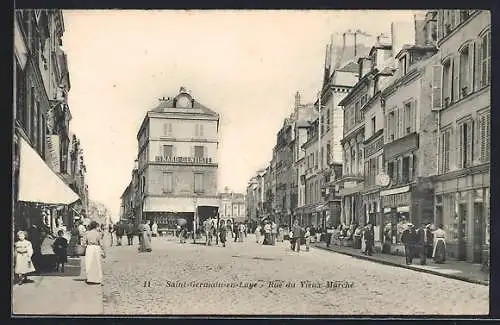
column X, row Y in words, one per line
column 478, row 231
column 462, row 231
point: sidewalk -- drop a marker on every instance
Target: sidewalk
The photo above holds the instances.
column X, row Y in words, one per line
column 451, row 269
column 58, row 294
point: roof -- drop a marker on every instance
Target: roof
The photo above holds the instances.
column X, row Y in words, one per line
column 350, row 67
column 423, row 48
column 167, row 106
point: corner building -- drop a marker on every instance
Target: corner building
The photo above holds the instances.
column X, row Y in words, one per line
column 177, row 162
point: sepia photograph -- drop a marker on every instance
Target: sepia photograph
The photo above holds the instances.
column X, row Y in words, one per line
column 251, row 162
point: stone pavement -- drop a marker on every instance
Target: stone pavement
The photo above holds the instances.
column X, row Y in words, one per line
column 247, row 278
column 58, row 294
column 451, row 269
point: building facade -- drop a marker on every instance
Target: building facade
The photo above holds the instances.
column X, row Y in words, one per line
column 177, row 162
column 41, row 120
column 462, row 98
column 232, row 206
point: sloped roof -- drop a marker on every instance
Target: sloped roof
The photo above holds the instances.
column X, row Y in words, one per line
column 350, row 67
column 167, row 106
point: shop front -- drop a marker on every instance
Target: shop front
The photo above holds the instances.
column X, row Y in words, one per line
column 462, row 206
column 352, row 203
column 373, row 213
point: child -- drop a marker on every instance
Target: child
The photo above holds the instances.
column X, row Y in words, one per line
column 60, row 247
column 24, row 252
column 308, row 238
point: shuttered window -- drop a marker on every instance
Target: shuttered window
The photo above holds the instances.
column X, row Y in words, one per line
column 486, row 59
column 484, row 136
column 445, row 151
column 167, row 129
column 465, row 144
column 198, row 183
column 168, row 182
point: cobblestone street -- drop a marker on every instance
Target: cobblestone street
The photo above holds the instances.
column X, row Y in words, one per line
column 142, row 283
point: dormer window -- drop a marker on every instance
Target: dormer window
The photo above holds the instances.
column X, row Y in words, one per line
column 403, row 64
column 183, row 102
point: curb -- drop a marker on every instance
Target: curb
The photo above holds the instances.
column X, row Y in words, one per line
column 409, row 267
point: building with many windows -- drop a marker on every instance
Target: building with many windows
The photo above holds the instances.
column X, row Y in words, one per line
column 177, row 162
column 232, row 206
column 462, row 98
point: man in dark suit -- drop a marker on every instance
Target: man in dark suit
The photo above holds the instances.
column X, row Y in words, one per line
column 423, row 235
column 409, row 239
column 369, row 239
column 430, row 242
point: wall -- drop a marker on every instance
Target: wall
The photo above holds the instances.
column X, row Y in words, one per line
column 182, row 128
column 183, row 182
column 181, row 149
column 375, row 110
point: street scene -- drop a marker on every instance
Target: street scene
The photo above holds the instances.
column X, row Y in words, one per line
column 337, row 169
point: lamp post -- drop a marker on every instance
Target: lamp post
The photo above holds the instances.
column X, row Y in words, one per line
column 195, row 217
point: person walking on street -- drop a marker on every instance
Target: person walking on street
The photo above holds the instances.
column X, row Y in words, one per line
column 120, row 231
column 409, row 238
column 60, row 247
column 439, row 248
column 308, row 238
column 235, row 231
column 267, row 234
column 357, row 237
column 154, row 229
column 274, row 233
column 430, row 240
column 423, row 234
column 130, row 233
column 257, row 234
column 222, row 233
column 241, row 232
column 93, row 254
column 297, row 235
column 369, row 238
column 145, row 238
column 110, row 233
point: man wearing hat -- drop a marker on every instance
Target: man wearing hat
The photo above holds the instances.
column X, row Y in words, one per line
column 409, row 239
column 424, row 240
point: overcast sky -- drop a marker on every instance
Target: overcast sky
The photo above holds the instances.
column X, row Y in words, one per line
column 246, row 65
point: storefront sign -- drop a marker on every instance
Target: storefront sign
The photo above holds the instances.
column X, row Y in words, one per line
column 188, row 160
column 396, row 200
column 374, row 147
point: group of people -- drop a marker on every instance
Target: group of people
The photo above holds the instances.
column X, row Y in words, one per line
column 361, row 237
column 270, row 231
column 424, row 242
column 221, row 230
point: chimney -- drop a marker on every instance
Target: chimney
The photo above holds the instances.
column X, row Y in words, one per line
column 420, row 34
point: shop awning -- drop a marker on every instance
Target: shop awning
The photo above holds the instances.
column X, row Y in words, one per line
column 38, row 183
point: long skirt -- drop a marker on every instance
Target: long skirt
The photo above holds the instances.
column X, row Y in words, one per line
column 267, row 239
column 439, row 251
column 23, row 264
column 93, row 264
column 257, row 237
column 240, row 236
column 145, row 243
column 363, row 245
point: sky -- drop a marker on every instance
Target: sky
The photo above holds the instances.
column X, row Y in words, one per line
column 245, row 65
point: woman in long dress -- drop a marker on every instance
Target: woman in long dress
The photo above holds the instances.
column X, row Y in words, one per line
column 146, row 238
column 439, row 249
column 93, row 254
column 257, row 234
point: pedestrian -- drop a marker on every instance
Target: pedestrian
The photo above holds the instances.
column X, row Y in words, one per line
column 429, row 245
column 130, row 230
column 280, row 234
column 222, row 233
column 119, row 231
column 423, row 234
column 235, row 231
column 241, row 233
column 60, row 247
column 297, row 235
column 308, row 238
column 257, row 234
column 23, row 254
column 94, row 253
column 207, row 227
column 439, row 249
column 245, row 229
column 74, row 240
column 274, row 233
column 357, row 237
column 369, row 238
column 110, row 233
column 409, row 238
column 292, row 241
column 267, row 234
column 81, row 231
column 363, row 240
column 48, row 257
column 146, row 238
column 154, row 229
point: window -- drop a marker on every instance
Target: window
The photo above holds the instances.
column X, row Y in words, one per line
column 198, row 183
column 486, row 59
column 390, row 170
column 20, row 94
column 407, row 120
column 374, row 125
column 391, row 126
column 465, row 144
column 357, row 112
column 44, row 134
column 199, row 130
column 447, row 80
column 465, row 74
column 199, row 151
column 484, row 137
column 364, row 99
column 328, row 152
column 406, row 170
column 41, row 132
column 329, row 111
column 168, row 150
column 352, row 116
column 464, row 14
column 437, row 84
column 168, row 182
column 445, row 151
column 34, row 124
column 167, row 129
